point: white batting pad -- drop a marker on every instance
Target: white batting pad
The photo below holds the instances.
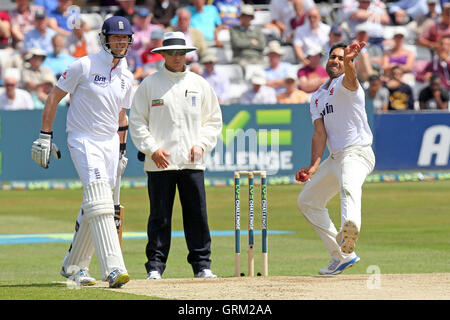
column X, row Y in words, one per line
column 106, row 241
column 97, row 199
column 82, row 248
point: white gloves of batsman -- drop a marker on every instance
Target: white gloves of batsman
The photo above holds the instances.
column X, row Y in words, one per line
column 123, row 161
column 42, row 148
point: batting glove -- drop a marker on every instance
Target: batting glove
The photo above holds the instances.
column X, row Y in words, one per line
column 42, row 148
column 123, row 161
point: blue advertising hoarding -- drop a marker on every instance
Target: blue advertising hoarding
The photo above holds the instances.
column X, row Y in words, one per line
column 275, row 138
column 415, row 140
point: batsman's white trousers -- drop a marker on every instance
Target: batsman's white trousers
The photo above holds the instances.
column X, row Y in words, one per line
column 95, row 159
column 343, row 172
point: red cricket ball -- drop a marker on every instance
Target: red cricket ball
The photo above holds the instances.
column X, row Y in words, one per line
column 303, row 176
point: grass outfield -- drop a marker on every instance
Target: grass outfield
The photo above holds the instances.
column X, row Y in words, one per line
column 405, row 229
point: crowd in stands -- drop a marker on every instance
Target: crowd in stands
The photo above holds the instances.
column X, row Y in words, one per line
column 251, row 52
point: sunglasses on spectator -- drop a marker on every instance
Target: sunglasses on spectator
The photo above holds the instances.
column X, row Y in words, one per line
column 10, row 84
column 176, row 52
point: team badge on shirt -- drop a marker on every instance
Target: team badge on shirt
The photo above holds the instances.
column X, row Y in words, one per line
column 331, row 91
column 157, row 102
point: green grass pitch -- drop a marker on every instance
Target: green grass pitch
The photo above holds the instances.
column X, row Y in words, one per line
column 405, row 229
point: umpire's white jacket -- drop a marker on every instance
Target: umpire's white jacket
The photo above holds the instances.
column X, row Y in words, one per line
column 174, row 111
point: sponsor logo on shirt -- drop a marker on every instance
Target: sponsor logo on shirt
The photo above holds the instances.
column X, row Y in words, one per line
column 99, row 79
column 328, row 109
column 157, row 102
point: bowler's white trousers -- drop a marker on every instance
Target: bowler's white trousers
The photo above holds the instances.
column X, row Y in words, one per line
column 343, row 172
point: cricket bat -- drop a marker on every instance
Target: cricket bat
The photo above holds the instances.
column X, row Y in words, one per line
column 118, row 209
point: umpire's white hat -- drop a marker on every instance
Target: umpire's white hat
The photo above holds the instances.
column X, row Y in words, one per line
column 174, row 41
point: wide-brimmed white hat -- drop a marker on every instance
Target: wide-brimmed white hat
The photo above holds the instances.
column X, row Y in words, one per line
column 291, row 75
column 248, row 10
column 34, row 52
column 48, row 78
column 362, row 27
column 258, row 77
column 275, row 47
column 174, row 41
column 209, row 57
column 400, row 30
column 314, row 50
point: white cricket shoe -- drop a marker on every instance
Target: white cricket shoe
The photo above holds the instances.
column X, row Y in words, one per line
column 154, row 275
column 82, row 277
column 117, row 278
column 347, row 237
column 206, row 274
column 337, row 266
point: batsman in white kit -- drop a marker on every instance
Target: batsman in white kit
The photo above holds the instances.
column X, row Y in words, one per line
column 340, row 123
column 100, row 88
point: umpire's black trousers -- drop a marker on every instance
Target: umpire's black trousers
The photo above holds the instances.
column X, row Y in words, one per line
column 161, row 191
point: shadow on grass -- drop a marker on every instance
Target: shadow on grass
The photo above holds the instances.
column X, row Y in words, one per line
column 34, row 285
column 63, row 291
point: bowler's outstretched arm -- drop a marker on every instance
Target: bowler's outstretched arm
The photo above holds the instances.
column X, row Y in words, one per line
column 350, row 80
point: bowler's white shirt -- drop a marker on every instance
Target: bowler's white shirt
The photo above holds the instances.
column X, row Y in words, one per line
column 344, row 115
column 98, row 92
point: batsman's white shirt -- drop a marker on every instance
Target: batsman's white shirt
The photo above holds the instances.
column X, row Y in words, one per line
column 98, row 92
column 343, row 113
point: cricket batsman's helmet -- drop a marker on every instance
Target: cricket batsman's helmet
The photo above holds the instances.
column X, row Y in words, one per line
column 115, row 25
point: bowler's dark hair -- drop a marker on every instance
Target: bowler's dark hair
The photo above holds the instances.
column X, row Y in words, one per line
column 337, row 45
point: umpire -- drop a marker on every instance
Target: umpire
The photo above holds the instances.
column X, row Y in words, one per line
column 175, row 119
